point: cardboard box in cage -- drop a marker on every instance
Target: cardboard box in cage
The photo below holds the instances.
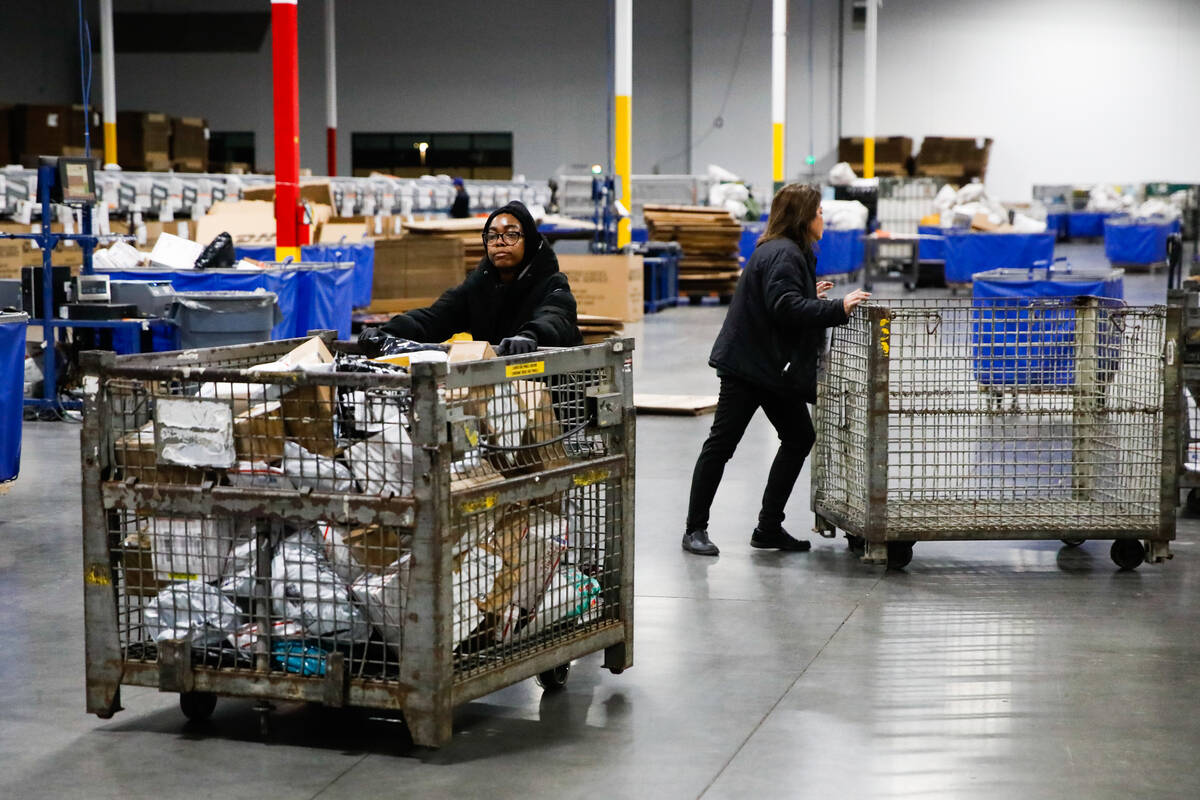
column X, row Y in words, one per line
column 258, row 433
column 137, row 566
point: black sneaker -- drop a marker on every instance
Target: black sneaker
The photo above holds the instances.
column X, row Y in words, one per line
column 778, row 539
column 697, row 542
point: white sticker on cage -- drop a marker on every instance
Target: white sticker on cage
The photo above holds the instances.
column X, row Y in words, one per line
column 194, row 433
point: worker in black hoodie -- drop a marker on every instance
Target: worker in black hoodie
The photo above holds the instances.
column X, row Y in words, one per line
column 766, row 356
column 516, row 298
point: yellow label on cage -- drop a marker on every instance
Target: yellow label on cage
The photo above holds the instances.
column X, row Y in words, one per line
column 97, row 576
column 480, row 504
column 588, row 478
column 885, row 333
column 523, row 370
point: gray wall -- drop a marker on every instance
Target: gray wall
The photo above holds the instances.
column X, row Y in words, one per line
column 539, row 69
column 1071, row 90
column 738, row 90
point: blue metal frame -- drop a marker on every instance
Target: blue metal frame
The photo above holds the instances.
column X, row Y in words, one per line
column 48, row 240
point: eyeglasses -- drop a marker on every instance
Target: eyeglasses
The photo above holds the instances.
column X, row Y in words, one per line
column 510, row 238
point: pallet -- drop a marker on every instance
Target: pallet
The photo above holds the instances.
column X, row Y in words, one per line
column 686, row 405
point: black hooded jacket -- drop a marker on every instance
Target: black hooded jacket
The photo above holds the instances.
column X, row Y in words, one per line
column 775, row 328
column 538, row 304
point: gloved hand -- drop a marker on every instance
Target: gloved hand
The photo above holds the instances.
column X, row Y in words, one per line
column 370, row 341
column 515, row 346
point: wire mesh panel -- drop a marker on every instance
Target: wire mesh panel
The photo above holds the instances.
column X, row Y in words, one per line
column 995, row 418
column 280, row 513
column 903, row 202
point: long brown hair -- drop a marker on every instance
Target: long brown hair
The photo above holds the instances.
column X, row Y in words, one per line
column 792, row 212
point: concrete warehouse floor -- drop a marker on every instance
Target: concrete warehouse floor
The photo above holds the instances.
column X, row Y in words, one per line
column 984, row 670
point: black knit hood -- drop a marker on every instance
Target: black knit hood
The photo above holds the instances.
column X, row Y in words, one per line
column 537, row 250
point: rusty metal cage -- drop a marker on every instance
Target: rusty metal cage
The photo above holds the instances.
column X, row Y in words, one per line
column 1000, row 419
column 405, row 537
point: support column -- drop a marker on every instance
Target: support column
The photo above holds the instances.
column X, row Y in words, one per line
column 108, row 83
column 778, row 89
column 330, row 90
column 285, row 61
column 623, row 111
column 872, row 45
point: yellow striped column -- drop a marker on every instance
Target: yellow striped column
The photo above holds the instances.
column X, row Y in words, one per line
column 623, row 112
column 108, row 83
column 778, row 89
column 872, row 45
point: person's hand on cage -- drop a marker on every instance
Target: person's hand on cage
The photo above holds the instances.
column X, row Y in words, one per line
column 823, row 288
column 852, row 300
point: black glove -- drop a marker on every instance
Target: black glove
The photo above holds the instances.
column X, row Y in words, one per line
column 515, row 346
column 370, row 341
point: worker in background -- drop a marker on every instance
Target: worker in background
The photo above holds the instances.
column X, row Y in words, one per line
column 461, row 208
column 516, row 298
column 766, row 356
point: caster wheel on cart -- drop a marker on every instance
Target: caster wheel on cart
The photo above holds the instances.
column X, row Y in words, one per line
column 1073, row 542
column 554, row 680
column 1193, row 501
column 197, row 706
column 855, row 544
column 899, row 554
column 1127, row 553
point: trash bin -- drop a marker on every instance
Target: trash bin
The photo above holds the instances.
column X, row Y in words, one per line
column 213, row 319
column 12, row 392
column 1024, row 324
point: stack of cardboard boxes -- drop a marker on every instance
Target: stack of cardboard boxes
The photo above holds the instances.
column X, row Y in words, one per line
column 143, row 141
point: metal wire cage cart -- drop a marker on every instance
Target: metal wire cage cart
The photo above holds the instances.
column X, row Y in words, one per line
column 354, row 534
column 1004, row 418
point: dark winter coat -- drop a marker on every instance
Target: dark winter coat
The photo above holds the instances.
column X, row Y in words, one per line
column 461, row 207
column 538, row 304
column 775, row 329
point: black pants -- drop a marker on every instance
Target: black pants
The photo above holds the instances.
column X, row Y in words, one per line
column 735, row 407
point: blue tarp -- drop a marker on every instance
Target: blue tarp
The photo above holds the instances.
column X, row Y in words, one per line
column 931, row 249
column 361, row 254
column 1017, row 341
column 1056, row 223
column 750, row 233
column 1129, row 241
column 310, row 296
column 968, row 253
column 839, row 252
column 12, row 392
column 1086, row 224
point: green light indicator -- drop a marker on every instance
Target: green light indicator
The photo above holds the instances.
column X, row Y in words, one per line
column 810, row 161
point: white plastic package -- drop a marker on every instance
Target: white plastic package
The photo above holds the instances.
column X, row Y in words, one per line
column 323, row 474
column 191, row 610
column 383, row 463
column 186, row 549
column 473, row 582
column 259, row 475
column 384, row 597
column 570, row 595
column 842, row 174
column 304, row 587
column 844, row 215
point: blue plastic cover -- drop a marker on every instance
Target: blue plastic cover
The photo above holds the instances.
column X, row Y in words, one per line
column 931, row 249
column 285, row 283
column 750, row 233
column 325, row 297
column 1128, row 241
column 362, row 254
column 1056, row 223
column 310, row 295
column 1019, row 337
column 1086, row 224
column 12, row 392
column 968, row 253
column 839, row 252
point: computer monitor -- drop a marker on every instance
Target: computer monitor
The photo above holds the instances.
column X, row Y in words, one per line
column 76, row 181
